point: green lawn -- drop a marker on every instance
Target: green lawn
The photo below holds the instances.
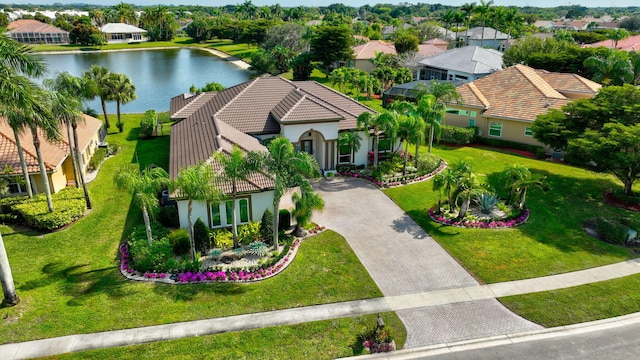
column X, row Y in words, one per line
column 315, row 340
column 551, row 242
column 578, row 304
column 69, row 280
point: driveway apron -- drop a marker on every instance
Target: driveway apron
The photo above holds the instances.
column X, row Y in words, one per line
column 402, row 259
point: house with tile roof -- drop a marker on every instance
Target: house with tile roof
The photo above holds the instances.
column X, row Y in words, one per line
column 364, row 53
column 632, row 43
column 307, row 113
column 488, row 37
column 123, row 33
column 466, row 63
column 56, row 155
column 505, row 104
column 36, row 32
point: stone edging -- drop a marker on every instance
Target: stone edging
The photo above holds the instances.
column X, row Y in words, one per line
column 382, row 185
column 499, row 224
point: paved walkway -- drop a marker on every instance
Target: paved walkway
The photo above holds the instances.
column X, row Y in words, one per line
column 424, row 301
column 403, row 259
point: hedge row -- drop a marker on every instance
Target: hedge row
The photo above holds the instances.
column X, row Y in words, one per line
column 457, row 135
column 69, row 205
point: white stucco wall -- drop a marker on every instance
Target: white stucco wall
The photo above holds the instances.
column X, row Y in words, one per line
column 294, row 131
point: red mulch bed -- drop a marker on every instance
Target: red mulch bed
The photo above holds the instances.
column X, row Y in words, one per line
column 611, row 199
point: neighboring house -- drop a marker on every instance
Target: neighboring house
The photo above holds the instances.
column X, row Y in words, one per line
column 505, row 104
column 439, row 43
column 570, row 25
column 467, row 64
column 56, row 155
column 122, row 33
column 473, row 37
column 544, row 24
column 307, row 113
column 410, row 91
column 631, row 43
column 388, row 31
column 365, row 53
column 36, row 32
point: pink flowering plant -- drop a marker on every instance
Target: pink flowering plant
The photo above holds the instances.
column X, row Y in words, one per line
column 392, row 181
column 377, row 341
column 508, row 222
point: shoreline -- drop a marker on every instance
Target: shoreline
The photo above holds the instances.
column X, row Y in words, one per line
column 217, row 53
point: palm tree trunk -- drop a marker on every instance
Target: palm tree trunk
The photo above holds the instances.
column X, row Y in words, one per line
column 87, row 199
column 191, row 239
column 406, row 156
column 417, row 151
column 234, row 225
column 6, row 279
column 463, row 208
column 375, row 150
column 276, row 216
column 147, row 224
column 118, row 109
column 104, row 110
column 431, row 131
column 43, row 170
column 74, row 165
column 523, row 198
column 23, row 165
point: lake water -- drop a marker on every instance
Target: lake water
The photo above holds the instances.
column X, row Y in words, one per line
column 158, row 75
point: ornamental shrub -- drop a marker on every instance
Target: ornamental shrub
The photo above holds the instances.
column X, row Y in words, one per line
column 157, row 232
column 457, row 135
column 155, row 258
column 428, row 163
column 258, row 249
column 69, row 205
column 201, row 236
column 248, row 233
column 222, row 238
column 266, row 227
column 612, row 231
column 168, row 216
column 146, row 124
column 97, row 158
column 180, row 241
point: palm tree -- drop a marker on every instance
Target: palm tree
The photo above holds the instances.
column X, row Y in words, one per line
column 447, row 19
column 499, row 15
column 144, row 186
column 97, row 84
column 483, row 10
column 431, row 113
column 513, row 174
column 122, row 91
column 524, row 184
column 305, row 203
column 352, row 140
column 468, row 186
column 378, row 124
column 468, row 9
column 511, row 18
column 411, row 130
column 617, row 35
column 446, row 181
column 40, row 117
column 613, row 68
column 6, row 278
column 235, row 166
column 196, row 183
column 288, row 168
column 634, row 61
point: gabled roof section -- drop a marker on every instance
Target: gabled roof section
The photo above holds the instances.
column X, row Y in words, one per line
column 519, row 92
column 299, row 107
column 468, row 59
column 183, row 106
column 369, row 49
column 569, row 83
column 489, row 33
column 35, row 26
column 632, row 43
column 115, row 28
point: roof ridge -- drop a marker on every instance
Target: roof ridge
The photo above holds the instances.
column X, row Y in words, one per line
column 530, row 74
column 339, row 94
column 474, row 89
column 293, row 91
column 234, row 99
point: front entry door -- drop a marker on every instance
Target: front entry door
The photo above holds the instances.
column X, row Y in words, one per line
column 306, row 146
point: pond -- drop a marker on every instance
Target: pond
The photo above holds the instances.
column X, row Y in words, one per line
column 158, row 75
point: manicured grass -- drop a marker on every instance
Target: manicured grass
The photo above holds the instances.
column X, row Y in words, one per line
column 579, row 304
column 69, row 280
column 321, row 340
column 551, row 242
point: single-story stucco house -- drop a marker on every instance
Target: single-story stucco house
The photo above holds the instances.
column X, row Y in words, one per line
column 307, row 113
column 35, row 32
column 485, row 37
column 122, row 33
column 56, row 155
column 365, row 53
column 466, row 64
column 505, row 104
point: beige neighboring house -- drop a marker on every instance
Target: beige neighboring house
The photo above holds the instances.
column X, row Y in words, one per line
column 505, row 104
column 123, row 33
column 36, row 32
column 56, row 155
column 307, row 113
column 365, row 53
column 437, row 42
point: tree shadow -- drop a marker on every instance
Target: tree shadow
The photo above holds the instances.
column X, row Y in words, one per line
column 191, row 291
column 78, row 284
column 406, row 224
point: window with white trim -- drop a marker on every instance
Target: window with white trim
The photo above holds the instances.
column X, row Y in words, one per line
column 344, row 154
column 528, row 131
column 222, row 213
column 495, row 129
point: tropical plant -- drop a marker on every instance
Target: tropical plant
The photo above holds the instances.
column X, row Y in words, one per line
column 378, row 124
column 266, row 227
column 513, row 174
column 98, row 84
column 433, row 110
column 351, row 140
column 468, row 9
column 122, row 91
column 144, row 186
column 487, row 202
column 611, row 68
column 305, row 203
column 258, row 249
column 618, row 34
column 195, row 183
column 483, row 10
column 289, row 168
column 523, row 185
column 468, row 187
column 235, row 166
column 410, row 129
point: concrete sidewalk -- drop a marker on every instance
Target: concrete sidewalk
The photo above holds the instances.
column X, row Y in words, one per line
column 469, row 294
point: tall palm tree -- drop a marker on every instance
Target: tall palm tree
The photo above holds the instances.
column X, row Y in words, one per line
column 196, row 183
column 468, row 9
column 305, row 203
column 483, row 10
column 144, row 186
column 499, row 15
column 40, row 117
column 513, row 174
column 431, row 114
column 235, row 166
column 612, row 68
column 617, row 35
column 512, row 18
column 97, row 84
column 6, row 278
column 411, row 130
column 122, row 90
column 289, row 169
column 352, row 140
column 378, row 124
column 447, row 19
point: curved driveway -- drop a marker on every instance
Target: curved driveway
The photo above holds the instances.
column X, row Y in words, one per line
column 402, row 258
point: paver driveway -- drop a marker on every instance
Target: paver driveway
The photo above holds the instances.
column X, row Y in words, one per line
column 402, row 258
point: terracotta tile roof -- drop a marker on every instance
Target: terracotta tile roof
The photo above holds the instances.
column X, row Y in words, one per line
column 369, row 50
column 436, row 41
column 564, row 82
column 34, row 26
column 632, row 43
column 53, row 153
column 520, row 92
column 429, row 49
